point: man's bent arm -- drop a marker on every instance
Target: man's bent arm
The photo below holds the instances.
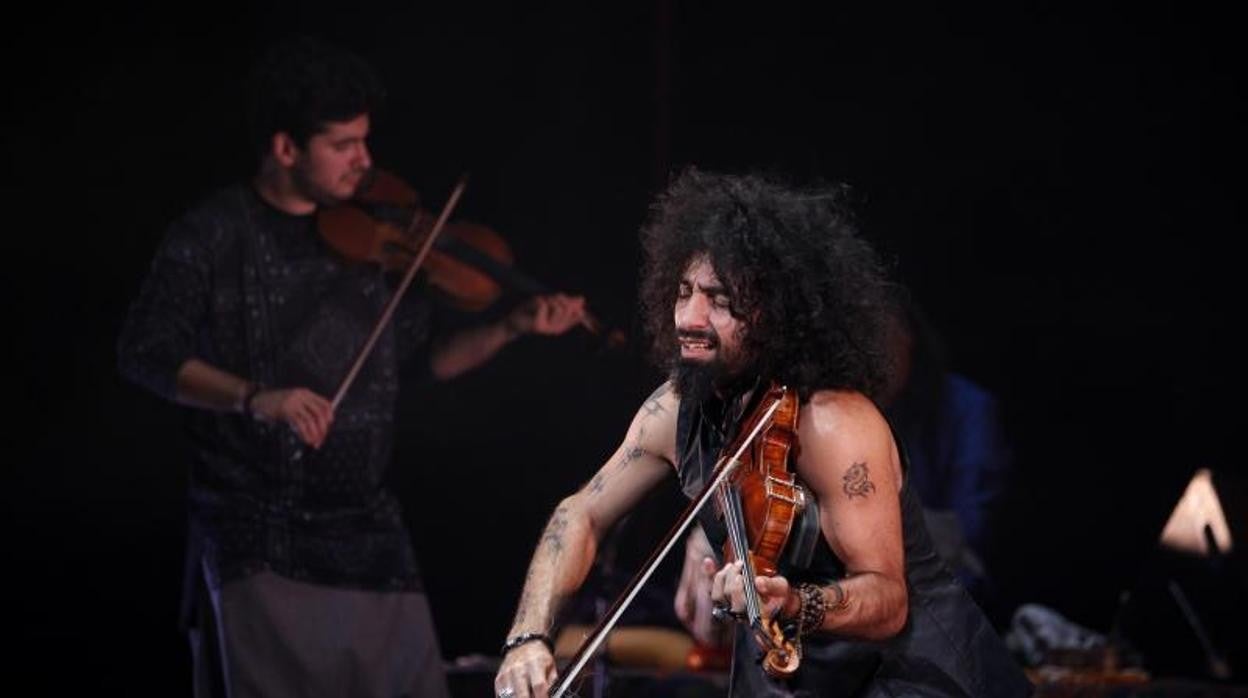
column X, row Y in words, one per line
column 202, row 385
column 569, row 543
column 851, row 465
column 467, row 349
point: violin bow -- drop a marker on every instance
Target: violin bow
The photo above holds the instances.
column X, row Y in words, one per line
column 397, row 296
column 613, row 616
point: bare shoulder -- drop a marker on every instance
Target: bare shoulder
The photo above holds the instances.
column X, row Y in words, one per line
column 842, row 414
column 640, row 462
column 843, row 435
column 662, row 401
column 654, row 427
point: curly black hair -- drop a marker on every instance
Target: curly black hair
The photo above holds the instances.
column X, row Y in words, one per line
column 816, row 294
column 301, row 84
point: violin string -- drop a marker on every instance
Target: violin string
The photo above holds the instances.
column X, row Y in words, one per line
column 742, row 545
column 711, row 489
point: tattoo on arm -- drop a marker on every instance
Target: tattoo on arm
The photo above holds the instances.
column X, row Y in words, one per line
column 857, row 481
column 595, row 485
column 652, row 405
column 652, row 408
column 632, row 454
column 552, row 537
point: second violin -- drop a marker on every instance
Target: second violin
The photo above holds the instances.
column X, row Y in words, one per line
column 470, row 264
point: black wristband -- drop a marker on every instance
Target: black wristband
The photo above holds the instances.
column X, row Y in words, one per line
column 527, row 637
column 250, row 397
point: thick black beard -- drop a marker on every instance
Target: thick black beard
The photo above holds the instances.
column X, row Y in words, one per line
column 695, row 381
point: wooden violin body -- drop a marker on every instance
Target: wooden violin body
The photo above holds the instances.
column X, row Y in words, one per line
column 759, row 505
column 384, row 224
column 771, row 498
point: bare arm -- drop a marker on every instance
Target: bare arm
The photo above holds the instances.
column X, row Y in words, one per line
column 568, row 545
column 469, row 348
column 851, row 465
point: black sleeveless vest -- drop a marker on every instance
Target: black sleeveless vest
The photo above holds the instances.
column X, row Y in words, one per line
column 948, row 647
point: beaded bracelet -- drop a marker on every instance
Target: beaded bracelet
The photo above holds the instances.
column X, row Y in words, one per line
column 527, row 637
column 812, row 609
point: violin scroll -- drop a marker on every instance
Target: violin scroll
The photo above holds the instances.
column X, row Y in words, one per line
column 783, row 655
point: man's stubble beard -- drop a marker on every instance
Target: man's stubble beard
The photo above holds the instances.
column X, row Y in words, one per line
column 308, row 189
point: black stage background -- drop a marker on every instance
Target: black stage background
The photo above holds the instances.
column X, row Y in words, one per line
column 1060, row 187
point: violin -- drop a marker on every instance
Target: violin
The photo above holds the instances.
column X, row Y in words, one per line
column 759, row 505
column 469, row 264
column 760, row 500
column 413, row 266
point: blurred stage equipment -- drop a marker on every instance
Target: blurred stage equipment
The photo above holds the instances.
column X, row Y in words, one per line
column 1178, row 628
column 1188, row 610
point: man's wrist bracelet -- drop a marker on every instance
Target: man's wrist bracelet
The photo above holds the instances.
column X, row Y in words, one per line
column 528, row 637
column 813, row 608
column 253, row 390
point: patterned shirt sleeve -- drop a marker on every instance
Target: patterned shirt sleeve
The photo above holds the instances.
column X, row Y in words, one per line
column 162, row 328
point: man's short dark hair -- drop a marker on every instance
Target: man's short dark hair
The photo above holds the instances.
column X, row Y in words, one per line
column 301, row 84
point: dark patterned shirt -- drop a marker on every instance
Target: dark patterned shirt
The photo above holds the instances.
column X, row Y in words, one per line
column 254, row 291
